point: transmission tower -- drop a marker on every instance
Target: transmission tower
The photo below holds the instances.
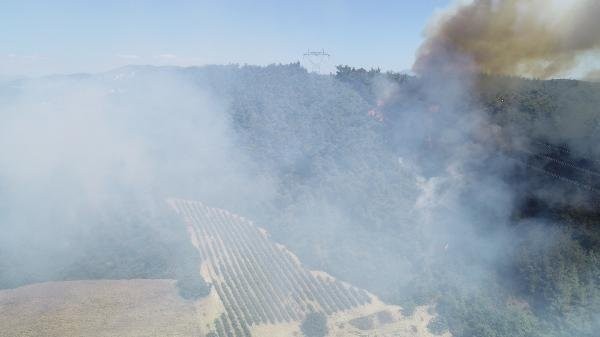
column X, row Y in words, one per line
column 316, row 59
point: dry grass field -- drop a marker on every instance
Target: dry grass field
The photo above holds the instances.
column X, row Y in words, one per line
column 152, row 308
column 132, row 308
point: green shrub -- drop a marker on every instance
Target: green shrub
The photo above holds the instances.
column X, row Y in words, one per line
column 314, row 325
column 192, row 286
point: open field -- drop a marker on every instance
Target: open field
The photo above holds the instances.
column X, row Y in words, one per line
column 104, row 308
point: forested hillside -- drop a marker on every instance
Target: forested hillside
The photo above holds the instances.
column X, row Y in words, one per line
column 356, row 173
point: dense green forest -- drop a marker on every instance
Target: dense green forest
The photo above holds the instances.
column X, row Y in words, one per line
column 348, row 156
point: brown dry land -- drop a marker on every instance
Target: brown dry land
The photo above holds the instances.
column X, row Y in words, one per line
column 124, row 308
column 136, row 308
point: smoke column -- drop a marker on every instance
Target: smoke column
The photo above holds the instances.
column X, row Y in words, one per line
column 536, row 38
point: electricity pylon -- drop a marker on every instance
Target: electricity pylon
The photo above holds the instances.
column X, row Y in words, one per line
column 316, row 59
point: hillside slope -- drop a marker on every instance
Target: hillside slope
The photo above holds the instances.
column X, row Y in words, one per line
column 264, row 290
column 258, row 288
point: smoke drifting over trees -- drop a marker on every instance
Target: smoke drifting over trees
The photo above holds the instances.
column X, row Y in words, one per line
column 512, row 37
column 424, row 190
column 420, row 202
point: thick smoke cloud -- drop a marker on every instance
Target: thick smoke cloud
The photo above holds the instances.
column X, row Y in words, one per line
column 150, row 132
column 80, row 155
column 593, row 76
column 531, row 38
column 536, row 38
column 470, row 193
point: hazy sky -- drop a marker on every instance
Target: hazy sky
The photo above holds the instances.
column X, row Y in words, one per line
column 44, row 37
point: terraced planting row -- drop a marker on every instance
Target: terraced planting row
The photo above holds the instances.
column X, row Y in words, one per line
column 258, row 281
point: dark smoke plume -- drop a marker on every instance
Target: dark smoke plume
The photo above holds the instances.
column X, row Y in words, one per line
column 538, row 38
